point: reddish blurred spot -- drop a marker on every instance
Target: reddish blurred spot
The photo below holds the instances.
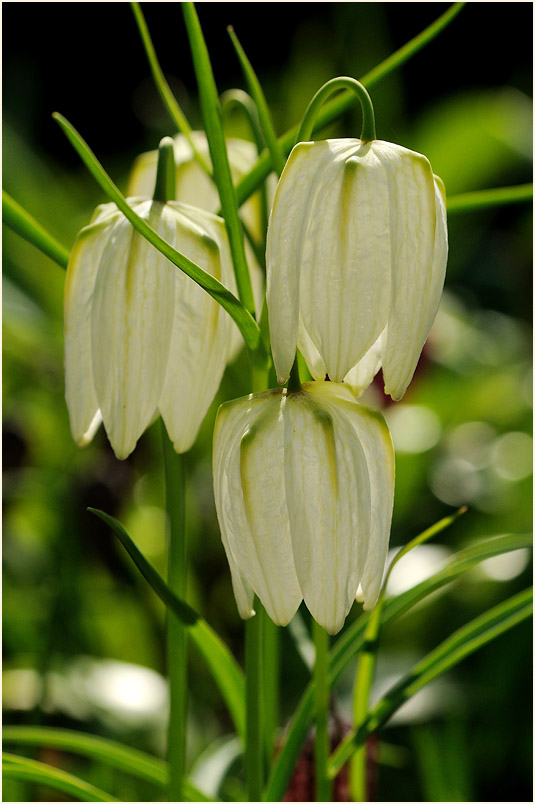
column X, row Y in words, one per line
column 302, row 785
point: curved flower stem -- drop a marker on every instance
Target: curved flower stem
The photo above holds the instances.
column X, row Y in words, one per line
column 169, row 100
column 346, row 100
column 238, row 97
column 321, row 694
column 233, row 98
column 342, row 82
column 277, row 155
column 177, row 639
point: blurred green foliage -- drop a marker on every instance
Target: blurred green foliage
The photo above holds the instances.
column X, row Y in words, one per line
column 83, row 635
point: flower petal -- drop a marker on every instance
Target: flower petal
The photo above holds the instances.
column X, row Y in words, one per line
column 202, row 331
column 250, row 500
column 328, row 493
column 80, row 393
column 372, row 432
column 361, row 375
column 300, row 181
column 131, row 325
column 419, row 248
column 345, row 258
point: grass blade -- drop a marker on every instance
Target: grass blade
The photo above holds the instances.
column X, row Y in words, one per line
column 351, row 642
column 169, row 100
column 264, row 115
column 211, row 112
column 29, row 770
column 481, row 199
column 224, row 669
column 450, row 652
column 246, row 323
column 121, row 757
column 25, row 225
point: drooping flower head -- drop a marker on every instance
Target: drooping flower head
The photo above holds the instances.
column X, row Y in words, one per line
column 140, row 336
column 356, row 259
column 303, row 487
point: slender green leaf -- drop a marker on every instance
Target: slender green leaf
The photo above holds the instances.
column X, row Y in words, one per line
column 124, row 758
column 246, row 323
column 29, row 770
column 277, row 154
column 481, row 199
column 211, row 112
column 368, row 655
column 25, row 225
column 345, row 100
column 450, row 652
column 422, row 537
column 169, row 100
column 352, row 640
column 222, row 665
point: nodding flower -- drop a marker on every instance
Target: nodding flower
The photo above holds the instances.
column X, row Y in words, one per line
column 304, row 485
column 356, row 259
column 141, row 337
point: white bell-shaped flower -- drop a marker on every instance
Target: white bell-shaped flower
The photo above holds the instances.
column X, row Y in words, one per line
column 193, row 185
column 356, row 259
column 140, row 336
column 304, row 487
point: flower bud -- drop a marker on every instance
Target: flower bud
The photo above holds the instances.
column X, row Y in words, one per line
column 356, row 259
column 304, row 486
column 141, row 337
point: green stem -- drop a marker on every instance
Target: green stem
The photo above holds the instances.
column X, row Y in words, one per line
column 164, row 188
column 211, row 112
column 169, row 100
column 254, row 677
column 342, row 82
column 27, row 227
column 361, row 697
column 270, row 697
column 294, row 382
column 238, row 98
column 321, row 695
column 452, row 650
column 277, row 155
column 177, row 639
column 346, row 100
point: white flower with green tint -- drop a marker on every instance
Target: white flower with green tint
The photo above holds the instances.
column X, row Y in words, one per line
column 193, row 185
column 304, row 486
column 140, row 336
column 356, row 259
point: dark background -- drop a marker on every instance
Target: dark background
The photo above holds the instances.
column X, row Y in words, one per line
column 86, row 60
